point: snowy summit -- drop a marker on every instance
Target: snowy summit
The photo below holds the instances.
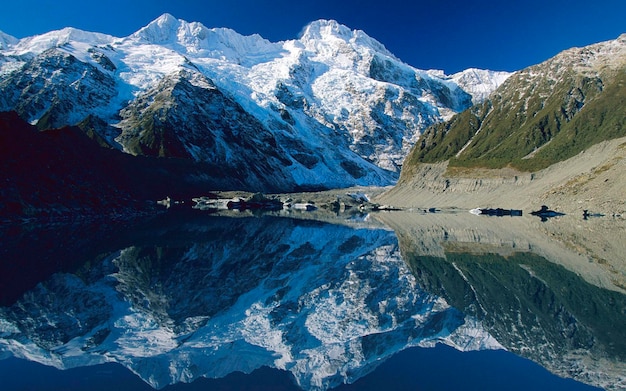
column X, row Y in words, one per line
column 333, row 108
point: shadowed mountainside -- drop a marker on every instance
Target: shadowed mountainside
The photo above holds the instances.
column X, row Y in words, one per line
column 64, row 172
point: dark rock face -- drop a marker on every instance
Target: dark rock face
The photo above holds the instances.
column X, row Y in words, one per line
column 53, row 87
column 64, row 172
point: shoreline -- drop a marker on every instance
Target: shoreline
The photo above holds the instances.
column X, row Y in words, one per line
column 592, row 181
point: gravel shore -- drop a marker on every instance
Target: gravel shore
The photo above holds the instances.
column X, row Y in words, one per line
column 593, row 180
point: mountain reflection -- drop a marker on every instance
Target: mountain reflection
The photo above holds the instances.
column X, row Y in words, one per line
column 179, row 299
column 324, row 302
column 530, row 292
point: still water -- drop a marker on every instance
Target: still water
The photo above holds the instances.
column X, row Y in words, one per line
column 404, row 301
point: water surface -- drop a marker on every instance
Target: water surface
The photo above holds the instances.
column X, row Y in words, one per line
column 188, row 300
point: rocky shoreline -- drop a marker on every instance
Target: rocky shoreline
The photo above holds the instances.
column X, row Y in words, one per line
column 592, row 181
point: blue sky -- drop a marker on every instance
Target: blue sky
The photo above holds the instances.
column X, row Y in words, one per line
column 427, row 34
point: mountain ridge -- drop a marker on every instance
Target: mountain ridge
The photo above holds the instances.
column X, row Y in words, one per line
column 541, row 115
column 552, row 134
column 349, row 107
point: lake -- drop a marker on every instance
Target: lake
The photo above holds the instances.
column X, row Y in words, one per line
column 190, row 300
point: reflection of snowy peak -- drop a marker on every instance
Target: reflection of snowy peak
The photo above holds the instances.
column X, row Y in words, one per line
column 341, row 108
column 326, row 303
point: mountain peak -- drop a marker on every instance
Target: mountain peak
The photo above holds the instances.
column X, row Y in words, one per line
column 195, row 40
column 336, row 108
column 324, row 30
column 166, row 18
column 161, row 30
column 68, row 34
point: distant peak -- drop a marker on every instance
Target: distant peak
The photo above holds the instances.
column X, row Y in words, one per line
column 74, row 34
column 162, row 29
column 7, row 40
column 322, row 28
column 40, row 43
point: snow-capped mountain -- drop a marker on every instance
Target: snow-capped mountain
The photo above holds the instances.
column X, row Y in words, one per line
column 479, row 83
column 331, row 108
column 328, row 303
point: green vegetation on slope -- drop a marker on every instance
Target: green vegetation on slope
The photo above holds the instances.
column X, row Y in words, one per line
column 529, row 124
column 603, row 118
column 525, row 300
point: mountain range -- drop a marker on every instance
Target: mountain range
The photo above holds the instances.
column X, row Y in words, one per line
column 333, row 108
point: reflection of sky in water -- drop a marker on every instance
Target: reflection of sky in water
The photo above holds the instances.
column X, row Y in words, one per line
column 327, row 303
column 438, row 368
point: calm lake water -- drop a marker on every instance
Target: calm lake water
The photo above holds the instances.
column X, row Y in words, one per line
column 189, row 300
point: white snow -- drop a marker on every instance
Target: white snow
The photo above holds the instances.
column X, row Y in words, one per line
column 6, row 41
column 40, row 43
column 479, row 83
column 340, row 113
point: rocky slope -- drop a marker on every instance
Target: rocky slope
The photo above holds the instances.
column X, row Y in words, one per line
column 551, row 134
column 332, row 108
